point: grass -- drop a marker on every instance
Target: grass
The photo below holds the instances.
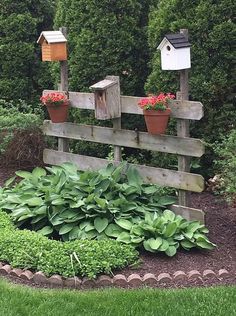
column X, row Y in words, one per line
column 21, row 301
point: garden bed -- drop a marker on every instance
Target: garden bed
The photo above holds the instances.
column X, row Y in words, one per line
column 221, row 221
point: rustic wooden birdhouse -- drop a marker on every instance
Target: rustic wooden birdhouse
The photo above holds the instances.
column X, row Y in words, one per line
column 175, row 52
column 107, row 99
column 53, row 46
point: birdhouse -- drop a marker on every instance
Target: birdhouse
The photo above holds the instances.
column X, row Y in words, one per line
column 175, row 52
column 107, row 99
column 53, row 46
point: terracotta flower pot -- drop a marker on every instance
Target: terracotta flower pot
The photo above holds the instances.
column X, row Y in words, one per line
column 156, row 121
column 58, row 113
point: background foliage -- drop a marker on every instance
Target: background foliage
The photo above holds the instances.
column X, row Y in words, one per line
column 22, row 75
column 106, row 38
column 212, row 33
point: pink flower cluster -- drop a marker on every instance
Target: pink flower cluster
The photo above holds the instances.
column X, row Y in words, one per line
column 156, row 102
column 54, row 99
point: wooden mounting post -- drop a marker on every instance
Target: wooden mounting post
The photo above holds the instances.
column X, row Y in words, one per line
column 183, row 128
column 116, row 121
column 63, row 144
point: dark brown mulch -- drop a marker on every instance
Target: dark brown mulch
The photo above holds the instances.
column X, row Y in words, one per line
column 221, row 222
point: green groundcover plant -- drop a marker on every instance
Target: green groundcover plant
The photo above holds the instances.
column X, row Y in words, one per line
column 27, row 249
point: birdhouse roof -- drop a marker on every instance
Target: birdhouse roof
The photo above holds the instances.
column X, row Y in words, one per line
column 176, row 40
column 51, row 37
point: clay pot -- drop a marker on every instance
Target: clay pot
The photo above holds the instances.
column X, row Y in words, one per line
column 58, row 113
column 156, row 121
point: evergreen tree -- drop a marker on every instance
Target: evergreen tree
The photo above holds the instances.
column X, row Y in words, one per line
column 22, row 75
column 212, row 79
column 106, row 37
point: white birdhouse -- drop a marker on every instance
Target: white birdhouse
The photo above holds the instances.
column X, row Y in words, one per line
column 175, row 52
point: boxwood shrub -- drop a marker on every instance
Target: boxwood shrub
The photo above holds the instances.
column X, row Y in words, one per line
column 27, row 249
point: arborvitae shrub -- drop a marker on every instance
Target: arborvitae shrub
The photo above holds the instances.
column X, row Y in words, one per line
column 22, row 74
column 211, row 33
column 106, row 38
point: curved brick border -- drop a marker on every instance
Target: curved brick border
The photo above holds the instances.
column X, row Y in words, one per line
column 132, row 281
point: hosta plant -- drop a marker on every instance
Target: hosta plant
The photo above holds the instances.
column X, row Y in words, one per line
column 162, row 233
column 64, row 203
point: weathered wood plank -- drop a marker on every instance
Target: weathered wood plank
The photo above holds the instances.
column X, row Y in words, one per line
column 63, row 144
column 120, row 137
column 164, row 177
column 183, row 127
column 116, row 122
column 191, row 214
column 179, row 109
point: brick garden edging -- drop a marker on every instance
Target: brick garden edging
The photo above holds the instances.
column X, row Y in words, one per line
column 119, row 280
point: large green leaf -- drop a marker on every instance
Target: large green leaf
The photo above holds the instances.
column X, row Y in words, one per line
column 167, row 200
column 113, row 230
column 134, row 177
column 147, row 246
column 73, row 234
column 124, row 223
column 124, row 237
column 170, row 229
column 58, row 202
column 169, row 215
column 101, row 202
column 155, row 243
column 186, row 244
column 20, row 211
column 36, row 201
column 164, row 246
column 66, row 228
column 24, row 174
column 150, row 189
column 9, row 181
column 204, row 243
column 89, row 227
column 171, row 251
column 37, row 218
column 46, row 230
column 39, row 172
column 100, row 224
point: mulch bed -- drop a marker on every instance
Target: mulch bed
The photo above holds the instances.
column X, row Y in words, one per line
column 221, row 222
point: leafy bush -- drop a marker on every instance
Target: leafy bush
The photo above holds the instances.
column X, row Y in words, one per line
column 212, row 32
column 70, row 204
column 163, row 233
column 26, row 249
column 106, row 38
column 22, row 74
column 225, row 165
column 5, row 221
column 11, row 120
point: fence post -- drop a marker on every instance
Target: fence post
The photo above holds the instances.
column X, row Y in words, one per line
column 63, row 144
column 116, row 121
column 183, row 128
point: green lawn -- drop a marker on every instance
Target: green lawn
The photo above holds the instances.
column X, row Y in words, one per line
column 21, row 301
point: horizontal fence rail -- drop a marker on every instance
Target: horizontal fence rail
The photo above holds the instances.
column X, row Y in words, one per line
column 163, row 177
column 128, row 138
column 191, row 110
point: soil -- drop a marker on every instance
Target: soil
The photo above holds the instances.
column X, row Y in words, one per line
column 221, row 222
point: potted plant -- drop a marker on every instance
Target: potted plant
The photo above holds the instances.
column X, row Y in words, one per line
column 57, row 105
column 156, row 112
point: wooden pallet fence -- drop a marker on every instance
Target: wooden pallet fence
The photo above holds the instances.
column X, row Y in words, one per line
column 182, row 146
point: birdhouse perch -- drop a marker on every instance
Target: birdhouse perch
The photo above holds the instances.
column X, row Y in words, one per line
column 175, row 52
column 53, row 46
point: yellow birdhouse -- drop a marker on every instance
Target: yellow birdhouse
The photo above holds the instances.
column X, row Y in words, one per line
column 54, row 46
